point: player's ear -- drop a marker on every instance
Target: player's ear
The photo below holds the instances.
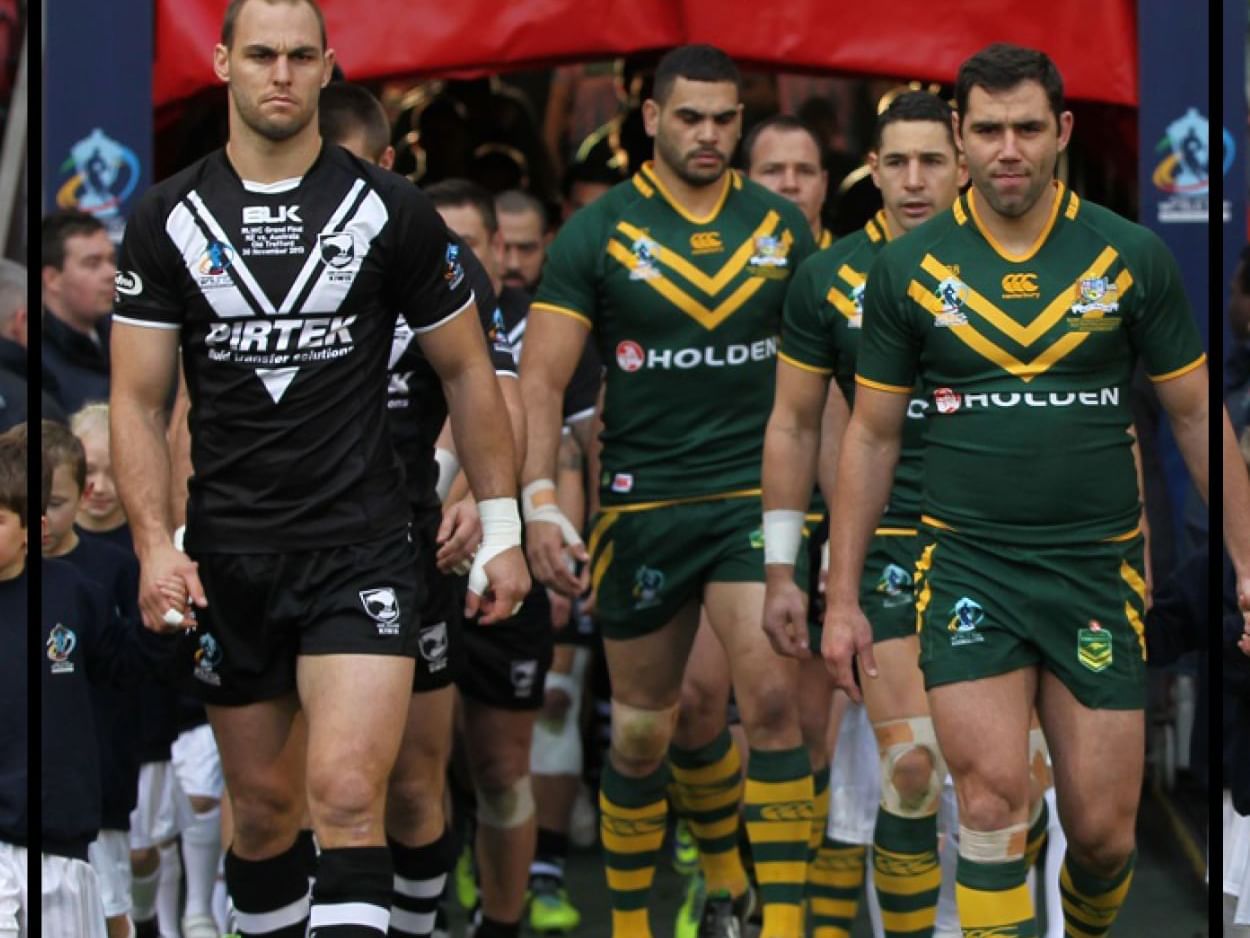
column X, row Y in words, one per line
column 650, row 116
column 387, row 159
column 961, row 165
column 221, row 62
column 872, row 160
column 959, row 144
column 327, row 68
column 1065, row 129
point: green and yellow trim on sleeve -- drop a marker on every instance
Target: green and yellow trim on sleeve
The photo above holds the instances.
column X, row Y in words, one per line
column 823, row 372
column 563, row 311
column 1183, row 370
column 881, row 386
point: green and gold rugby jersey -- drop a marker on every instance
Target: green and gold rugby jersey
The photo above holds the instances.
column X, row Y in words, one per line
column 685, row 313
column 1026, row 362
column 821, row 332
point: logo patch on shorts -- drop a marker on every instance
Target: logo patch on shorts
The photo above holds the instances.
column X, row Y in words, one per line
column 523, row 675
column 382, row 607
column 433, row 645
column 647, row 585
column 756, row 538
column 894, row 586
column 61, row 644
column 966, row 615
column 207, row 658
column 1093, row 647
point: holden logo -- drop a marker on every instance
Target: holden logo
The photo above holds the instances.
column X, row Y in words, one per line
column 948, row 401
column 629, row 356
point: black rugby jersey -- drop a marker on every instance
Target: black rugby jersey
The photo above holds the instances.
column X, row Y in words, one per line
column 286, row 296
column 415, row 399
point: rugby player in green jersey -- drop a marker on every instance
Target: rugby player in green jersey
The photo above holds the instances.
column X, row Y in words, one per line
column 680, row 275
column 1021, row 313
column 916, row 166
column 783, row 154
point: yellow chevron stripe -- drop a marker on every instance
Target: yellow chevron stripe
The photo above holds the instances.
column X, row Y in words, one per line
column 606, row 520
column 1045, row 320
column 895, row 532
column 730, row 269
column 601, row 567
column 1134, row 580
column 1138, row 627
column 842, row 303
column 853, row 277
column 643, row 186
column 708, row 318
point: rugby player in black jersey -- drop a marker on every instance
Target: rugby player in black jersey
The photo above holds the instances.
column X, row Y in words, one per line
column 279, row 266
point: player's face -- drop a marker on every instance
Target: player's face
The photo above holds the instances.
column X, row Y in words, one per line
column 83, row 287
column 276, row 67
column 466, row 221
column 62, row 508
column 1012, row 142
column 918, row 172
column 100, row 505
column 524, row 249
column 696, row 129
column 788, row 162
column 12, row 544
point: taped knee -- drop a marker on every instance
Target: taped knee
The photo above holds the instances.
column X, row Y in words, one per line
column 1001, row 846
column 503, row 808
column 896, row 740
column 642, row 736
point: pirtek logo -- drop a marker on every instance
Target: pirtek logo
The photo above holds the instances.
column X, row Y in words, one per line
column 280, row 335
column 264, row 215
column 1020, row 286
column 706, row 242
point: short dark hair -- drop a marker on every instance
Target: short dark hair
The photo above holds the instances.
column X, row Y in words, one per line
column 516, row 202
column 62, row 448
column 783, row 122
column 457, row 192
column 58, row 227
column 1002, row 66
column 696, row 62
column 13, row 443
column 344, row 108
column 595, row 172
column 914, row 106
column 232, row 15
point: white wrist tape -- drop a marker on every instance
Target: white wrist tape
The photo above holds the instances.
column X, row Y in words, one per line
column 783, row 530
column 180, row 534
column 448, row 466
column 501, row 530
column 538, row 505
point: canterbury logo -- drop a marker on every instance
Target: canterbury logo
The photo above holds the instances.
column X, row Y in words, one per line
column 838, row 863
column 623, row 827
column 788, row 811
column 998, row 931
column 1020, row 285
column 892, row 866
column 706, row 242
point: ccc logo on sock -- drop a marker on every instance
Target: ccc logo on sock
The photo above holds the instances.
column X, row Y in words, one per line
column 998, row 931
column 788, row 811
column 623, row 827
column 914, row 866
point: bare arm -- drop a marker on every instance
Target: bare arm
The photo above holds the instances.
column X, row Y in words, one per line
column 143, row 365
column 792, row 438
column 553, row 345
column 833, row 423
column 179, row 437
column 1185, row 400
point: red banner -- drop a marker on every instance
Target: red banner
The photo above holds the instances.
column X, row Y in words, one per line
column 1093, row 42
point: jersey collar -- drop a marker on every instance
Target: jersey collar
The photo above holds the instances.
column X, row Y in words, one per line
column 966, row 207
column 730, row 181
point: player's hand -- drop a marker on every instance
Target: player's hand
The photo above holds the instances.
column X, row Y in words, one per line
column 561, row 610
column 785, row 612
column 847, row 634
column 168, row 579
column 497, row 586
column 552, row 543
column 458, row 537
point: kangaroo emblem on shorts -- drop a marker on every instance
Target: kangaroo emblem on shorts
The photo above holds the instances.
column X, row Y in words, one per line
column 383, row 607
column 647, row 585
column 433, row 644
column 966, row 615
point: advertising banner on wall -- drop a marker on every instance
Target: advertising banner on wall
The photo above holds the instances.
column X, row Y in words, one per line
column 98, row 107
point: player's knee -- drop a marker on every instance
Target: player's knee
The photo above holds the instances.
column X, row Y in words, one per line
column 640, row 738
column 507, row 806
column 264, row 816
column 411, row 800
column 990, row 803
column 1102, row 841
column 769, row 713
column 343, row 797
column 912, row 767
